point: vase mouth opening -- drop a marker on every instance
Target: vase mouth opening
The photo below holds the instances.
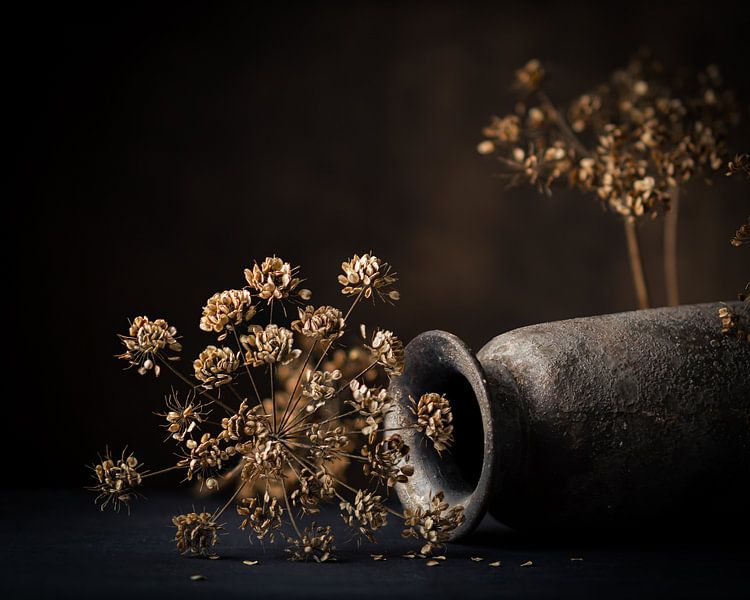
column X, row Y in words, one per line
column 439, row 362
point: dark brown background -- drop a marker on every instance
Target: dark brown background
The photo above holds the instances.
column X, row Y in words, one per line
column 159, row 151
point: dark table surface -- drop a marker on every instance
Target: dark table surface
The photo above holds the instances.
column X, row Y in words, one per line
column 57, row 544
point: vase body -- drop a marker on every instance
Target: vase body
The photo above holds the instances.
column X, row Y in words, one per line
column 609, row 422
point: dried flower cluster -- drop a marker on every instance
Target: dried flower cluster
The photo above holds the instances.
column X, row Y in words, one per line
column 632, row 141
column 434, row 524
column 736, row 323
column 285, row 444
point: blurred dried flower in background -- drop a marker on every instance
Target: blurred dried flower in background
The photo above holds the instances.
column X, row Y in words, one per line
column 530, row 76
column 147, row 341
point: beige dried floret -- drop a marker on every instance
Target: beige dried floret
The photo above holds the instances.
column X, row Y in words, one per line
column 388, row 350
column 116, row 480
column 148, row 341
column 434, row 419
column 226, row 310
column 314, row 543
column 433, row 524
column 273, row 279
column 269, row 345
column 325, row 323
column 366, row 514
column 182, row 417
column 197, row 533
column 214, row 366
column 367, row 274
column 262, row 516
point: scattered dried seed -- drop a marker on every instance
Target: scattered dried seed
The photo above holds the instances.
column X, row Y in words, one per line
column 250, row 563
column 477, row 558
column 410, row 555
column 378, row 556
column 528, row 563
column 432, row 563
column 197, row 578
column 441, row 557
column 575, row 558
column 497, row 563
column 214, row 557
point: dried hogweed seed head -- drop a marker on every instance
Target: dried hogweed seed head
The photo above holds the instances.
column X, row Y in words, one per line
column 433, row 524
column 225, row 310
column 116, row 480
column 324, row 323
column 365, row 275
column 366, row 514
column 274, row 279
column 742, row 235
column 370, row 403
column 387, row 460
column 313, row 488
column 214, row 366
column 183, row 417
column 197, row 533
column 269, row 345
column 388, row 350
column 205, row 457
column 263, row 516
column 530, row 76
column 247, row 424
column 262, row 459
column 315, row 543
column 434, row 419
column 147, row 341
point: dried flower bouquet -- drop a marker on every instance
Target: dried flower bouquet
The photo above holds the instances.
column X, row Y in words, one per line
column 285, row 451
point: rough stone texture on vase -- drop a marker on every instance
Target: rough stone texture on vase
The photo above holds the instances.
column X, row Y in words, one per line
column 616, row 421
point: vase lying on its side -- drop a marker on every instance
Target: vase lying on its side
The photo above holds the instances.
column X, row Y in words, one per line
column 614, row 421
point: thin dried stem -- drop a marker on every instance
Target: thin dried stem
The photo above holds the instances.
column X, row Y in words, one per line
column 232, row 499
column 670, row 248
column 287, row 411
column 160, row 472
column 636, row 264
column 247, row 368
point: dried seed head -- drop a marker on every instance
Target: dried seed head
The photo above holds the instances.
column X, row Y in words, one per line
column 742, row 235
column 247, row 424
column 116, row 480
column 274, row 279
column 262, row 459
column 327, row 444
column 388, row 350
column 204, row 458
column 372, row 404
column 269, row 345
column 325, row 323
column 214, row 366
column 197, row 533
column 183, row 417
column 530, row 76
column 366, row 514
column 315, row 543
column 387, row 460
column 365, row 275
column 319, row 386
column 434, row 419
column 740, row 164
column 263, row 516
column 147, row 341
column 433, row 524
column 735, row 324
column 313, row 488
column 225, row 310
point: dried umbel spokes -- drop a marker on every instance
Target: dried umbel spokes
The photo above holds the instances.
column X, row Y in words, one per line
column 433, row 524
column 269, row 345
column 183, row 417
column 197, row 533
column 324, row 323
column 226, row 310
column 274, row 279
column 388, row 461
column 263, row 516
column 147, row 341
column 284, row 444
column 366, row 275
column 434, row 419
column 366, row 514
column 314, row 543
column 116, row 480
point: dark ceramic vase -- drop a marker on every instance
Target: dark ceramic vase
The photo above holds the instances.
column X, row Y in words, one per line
column 610, row 422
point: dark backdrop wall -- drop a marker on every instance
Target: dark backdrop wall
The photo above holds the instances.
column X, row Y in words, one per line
column 158, row 150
